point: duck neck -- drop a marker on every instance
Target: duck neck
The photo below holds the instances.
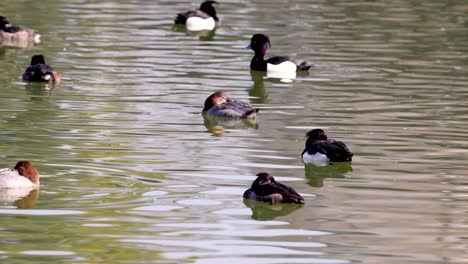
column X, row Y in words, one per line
column 258, row 63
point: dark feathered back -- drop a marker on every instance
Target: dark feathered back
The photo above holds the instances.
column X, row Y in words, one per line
column 39, row 71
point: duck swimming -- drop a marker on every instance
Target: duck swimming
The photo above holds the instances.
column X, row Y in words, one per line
column 199, row 19
column 266, row 189
column 320, row 150
column 281, row 64
column 12, row 33
column 23, row 175
column 39, row 71
column 219, row 104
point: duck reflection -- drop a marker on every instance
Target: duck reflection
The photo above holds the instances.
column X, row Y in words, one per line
column 17, row 43
column 258, row 91
column 203, row 35
column 21, row 198
column 38, row 88
column 219, row 125
column 268, row 211
column 317, row 174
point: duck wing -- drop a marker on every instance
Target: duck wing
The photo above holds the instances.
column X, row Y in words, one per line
column 182, row 17
column 289, row 194
column 278, row 60
column 13, row 29
column 233, row 108
column 301, row 65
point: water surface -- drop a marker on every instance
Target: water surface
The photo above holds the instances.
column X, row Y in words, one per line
column 132, row 173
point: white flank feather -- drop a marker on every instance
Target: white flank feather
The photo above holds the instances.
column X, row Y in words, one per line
column 37, row 38
column 284, row 70
column 198, row 23
column 11, row 179
column 318, row 159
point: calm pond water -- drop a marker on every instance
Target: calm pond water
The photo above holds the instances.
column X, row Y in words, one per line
column 132, row 173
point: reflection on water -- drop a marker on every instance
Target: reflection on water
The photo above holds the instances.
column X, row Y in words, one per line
column 317, row 174
column 203, row 35
column 218, row 125
column 22, row 198
column 16, row 43
column 133, row 172
column 266, row 211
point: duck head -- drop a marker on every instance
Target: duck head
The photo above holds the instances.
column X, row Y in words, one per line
column 208, row 8
column 26, row 169
column 259, row 44
column 4, row 22
column 263, row 178
column 316, row 134
column 215, row 99
column 37, row 59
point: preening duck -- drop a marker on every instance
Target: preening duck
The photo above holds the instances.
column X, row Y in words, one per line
column 320, row 150
column 13, row 33
column 219, row 104
column 23, row 175
column 266, row 189
column 39, row 71
column 204, row 18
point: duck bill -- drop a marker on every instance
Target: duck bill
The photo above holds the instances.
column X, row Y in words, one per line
column 248, row 47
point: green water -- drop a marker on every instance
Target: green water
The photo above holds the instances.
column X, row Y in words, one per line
column 132, row 173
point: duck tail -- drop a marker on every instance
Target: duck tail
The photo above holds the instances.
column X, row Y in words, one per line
column 251, row 113
column 304, row 66
column 181, row 18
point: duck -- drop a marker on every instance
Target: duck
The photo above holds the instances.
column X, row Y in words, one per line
column 23, row 175
column 204, row 18
column 13, row 33
column 219, row 104
column 266, row 189
column 277, row 64
column 39, row 71
column 320, row 150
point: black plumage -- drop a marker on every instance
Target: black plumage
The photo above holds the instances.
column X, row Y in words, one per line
column 266, row 189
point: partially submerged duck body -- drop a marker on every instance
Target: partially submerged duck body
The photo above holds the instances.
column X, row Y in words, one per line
column 23, row 175
column 39, row 71
column 15, row 34
column 204, row 18
column 320, row 150
column 219, row 104
column 266, row 189
column 277, row 66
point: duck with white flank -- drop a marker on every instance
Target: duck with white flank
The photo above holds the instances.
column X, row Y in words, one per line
column 204, row 18
column 274, row 65
column 23, row 175
column 320, row 150
column 13, row 33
